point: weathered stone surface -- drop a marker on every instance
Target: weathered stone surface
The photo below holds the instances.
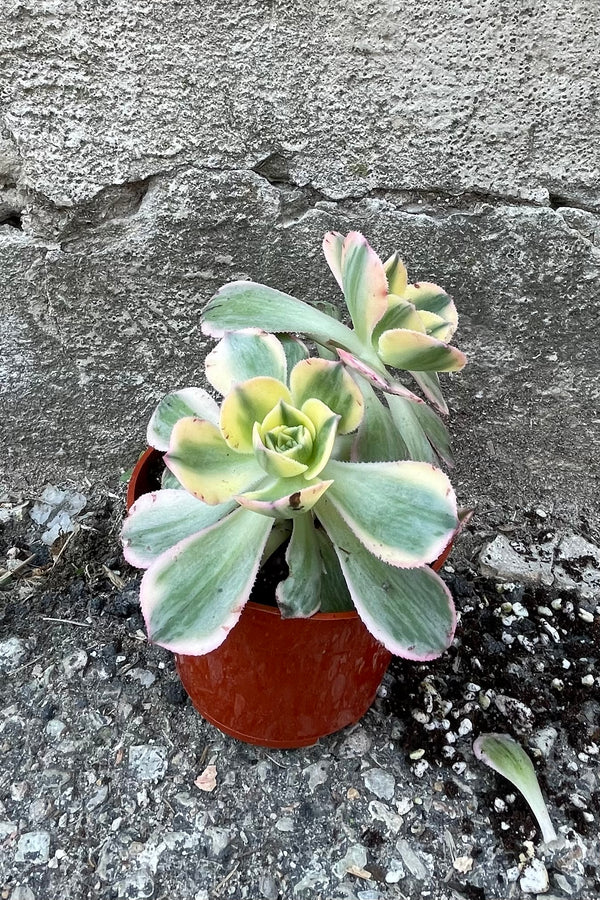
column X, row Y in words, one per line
column 151, row 152
column 342, row 98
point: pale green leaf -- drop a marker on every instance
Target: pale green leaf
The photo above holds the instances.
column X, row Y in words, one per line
column 333, row 385
column 244, row 304
column 418, row 352
column 378, row 438
column 206, row 465
column 179, row 405
column 409, row 610
column 298, row 596
column 158, row 521
column 243, row 355
column 403, row 512
column 503, row 754
column 285, row 498
column 364, row 284
column 194, row 593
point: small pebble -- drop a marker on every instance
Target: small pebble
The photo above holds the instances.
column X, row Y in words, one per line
column 586, row 616
column 463, row 864
column 557, row 684
column 380, row 783
column 417, row 754
column 588, row 680
column 534, row 879
column 33, row 847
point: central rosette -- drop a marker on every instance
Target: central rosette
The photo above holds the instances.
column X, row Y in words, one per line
column 272, row 440
column 287, row 432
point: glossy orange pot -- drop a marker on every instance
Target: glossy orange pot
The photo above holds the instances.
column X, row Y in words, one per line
column 280, row 682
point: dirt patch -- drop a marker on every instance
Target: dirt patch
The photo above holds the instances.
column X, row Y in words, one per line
column 101, row 750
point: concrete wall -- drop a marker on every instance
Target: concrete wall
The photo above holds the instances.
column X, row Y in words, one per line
column 151, row 151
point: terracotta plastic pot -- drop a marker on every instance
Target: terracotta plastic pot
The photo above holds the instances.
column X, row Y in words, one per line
column 275, row 682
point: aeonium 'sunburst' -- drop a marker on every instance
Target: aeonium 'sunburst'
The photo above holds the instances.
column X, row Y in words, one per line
column 272, row 463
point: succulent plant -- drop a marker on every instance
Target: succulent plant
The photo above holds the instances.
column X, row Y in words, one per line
column 395, row 324
column 280, row 459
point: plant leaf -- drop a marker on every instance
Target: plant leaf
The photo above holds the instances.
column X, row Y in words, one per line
column 503, row 754
column 378, row 438
column 158, row 521
column 243, row 355
column 402, row 512
column 432, row 298
column 377, row 376
column 285, row 498
column 294, row 349
column 329, row 382
column 409, row 426
column 364, row 284
column 206, row 466
column 179, row 405
column 409, row 610
column 429, row 383
column 333, row 243
column 246, row 404
column 395, row 272
column 244, row 304
column 298, row 596
column 412, row 350
column 334, row 593
column 193, row 594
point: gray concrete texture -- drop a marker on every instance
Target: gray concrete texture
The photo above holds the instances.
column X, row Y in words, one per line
column 152, row 151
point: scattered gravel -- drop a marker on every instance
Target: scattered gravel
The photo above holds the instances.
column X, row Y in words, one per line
column 112, row 786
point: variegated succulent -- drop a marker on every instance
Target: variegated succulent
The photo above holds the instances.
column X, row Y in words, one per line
column 396, row 324
column 280, row 459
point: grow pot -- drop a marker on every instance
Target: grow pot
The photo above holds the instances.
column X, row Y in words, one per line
column 279, row 682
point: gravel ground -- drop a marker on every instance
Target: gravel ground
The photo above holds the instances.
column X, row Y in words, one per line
column 112, row 786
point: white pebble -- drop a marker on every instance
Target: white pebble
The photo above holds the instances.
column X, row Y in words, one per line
column 534, row 879
column 520, row 610
column 588, row 680
column 557, row 684
column 465, row 727
column 586, row 616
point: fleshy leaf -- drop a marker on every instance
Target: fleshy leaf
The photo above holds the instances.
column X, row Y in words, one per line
column 403, row 512
column 244, row 304
column 193, row 594
column 285, row 498
column 206, row 466
column 425, row 434
column 409, row 610
column 377, row 376
column 298, row 595
column 274, row 463
column 378, row 439
column 433, row 298
column 179, row 405
column 333, row 243
column 401, row 314
column 294, row 349
column 327, row 426
column 412, row 350
column 334, row 593
column 409, row 426
column 246, row 404
column 429, row 383
column 364, row 284
column 395, row 272
column 169, row 482
column 329, row 382
column 158, row 521
column 503, row 754
column 243, row 355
